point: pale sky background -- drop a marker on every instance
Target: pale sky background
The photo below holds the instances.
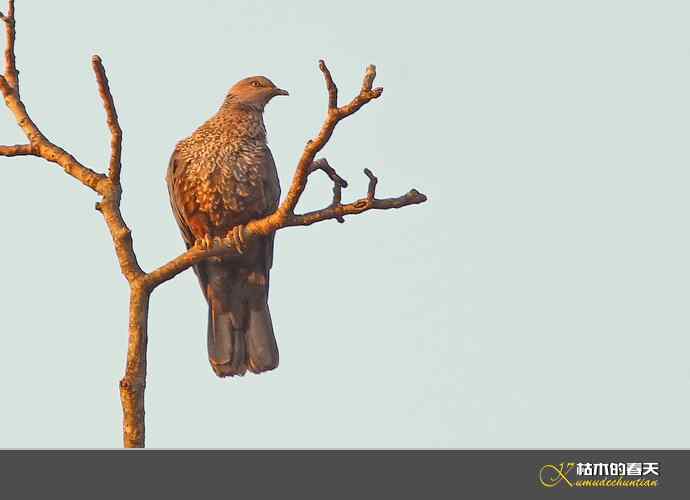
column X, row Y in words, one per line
column 539, row 299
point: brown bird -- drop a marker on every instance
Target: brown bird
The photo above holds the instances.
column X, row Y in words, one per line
column 221, row 176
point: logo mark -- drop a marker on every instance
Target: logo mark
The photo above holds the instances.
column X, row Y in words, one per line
column 552, row 475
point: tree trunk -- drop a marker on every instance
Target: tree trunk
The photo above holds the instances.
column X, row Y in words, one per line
column 133, row 384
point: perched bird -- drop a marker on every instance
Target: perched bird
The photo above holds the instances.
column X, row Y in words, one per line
column 221, row 176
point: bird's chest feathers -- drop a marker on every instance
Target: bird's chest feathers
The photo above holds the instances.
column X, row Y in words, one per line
column 224, row 178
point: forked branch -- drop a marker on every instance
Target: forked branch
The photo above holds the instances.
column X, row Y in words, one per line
column 334, row 115
column 336, row 210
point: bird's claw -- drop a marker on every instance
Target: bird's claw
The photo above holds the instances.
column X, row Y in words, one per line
column 203, row 243
column 236, row 235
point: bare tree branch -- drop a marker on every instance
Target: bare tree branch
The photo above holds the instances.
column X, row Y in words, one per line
column 142, row 284
column 43, row 147
column 371, row 190
column 330, row 85
column 111, row 117
column 112, row 192
column 11, row 72
column 334, row 115
column 17, row 150
column 338, row 211
column 338, row 183
column 133, row 384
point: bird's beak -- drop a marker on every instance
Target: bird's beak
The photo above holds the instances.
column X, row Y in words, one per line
column 278, row 91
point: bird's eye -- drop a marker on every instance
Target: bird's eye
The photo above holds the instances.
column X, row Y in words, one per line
column 256, row 84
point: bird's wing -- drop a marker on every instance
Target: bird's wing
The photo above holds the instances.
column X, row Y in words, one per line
column 271, row 199
column 172, row 179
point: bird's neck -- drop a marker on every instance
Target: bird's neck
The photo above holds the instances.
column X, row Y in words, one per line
column 241, row 120
column 232, row 102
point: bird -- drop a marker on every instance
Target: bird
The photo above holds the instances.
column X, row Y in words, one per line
column 220, row 177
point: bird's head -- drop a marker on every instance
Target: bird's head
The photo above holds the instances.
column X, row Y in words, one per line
column 255, row 91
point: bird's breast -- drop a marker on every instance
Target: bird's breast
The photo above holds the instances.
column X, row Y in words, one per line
column 226, row 182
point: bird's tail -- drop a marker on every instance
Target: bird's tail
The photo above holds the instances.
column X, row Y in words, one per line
column 262, row 350
column 241, row 342
column 227, row 350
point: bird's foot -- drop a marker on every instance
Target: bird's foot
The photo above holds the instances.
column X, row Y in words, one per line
column 236, row 236
column 204, row 243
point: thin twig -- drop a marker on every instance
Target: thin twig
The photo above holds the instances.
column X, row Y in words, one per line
column 112, row 120
column 11, row 72
column 338, row 182
column 365, row 95
column 330, row 85
column 373, row 181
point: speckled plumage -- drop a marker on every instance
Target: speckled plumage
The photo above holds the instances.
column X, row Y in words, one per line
column 223, row 166
column 221, row 176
